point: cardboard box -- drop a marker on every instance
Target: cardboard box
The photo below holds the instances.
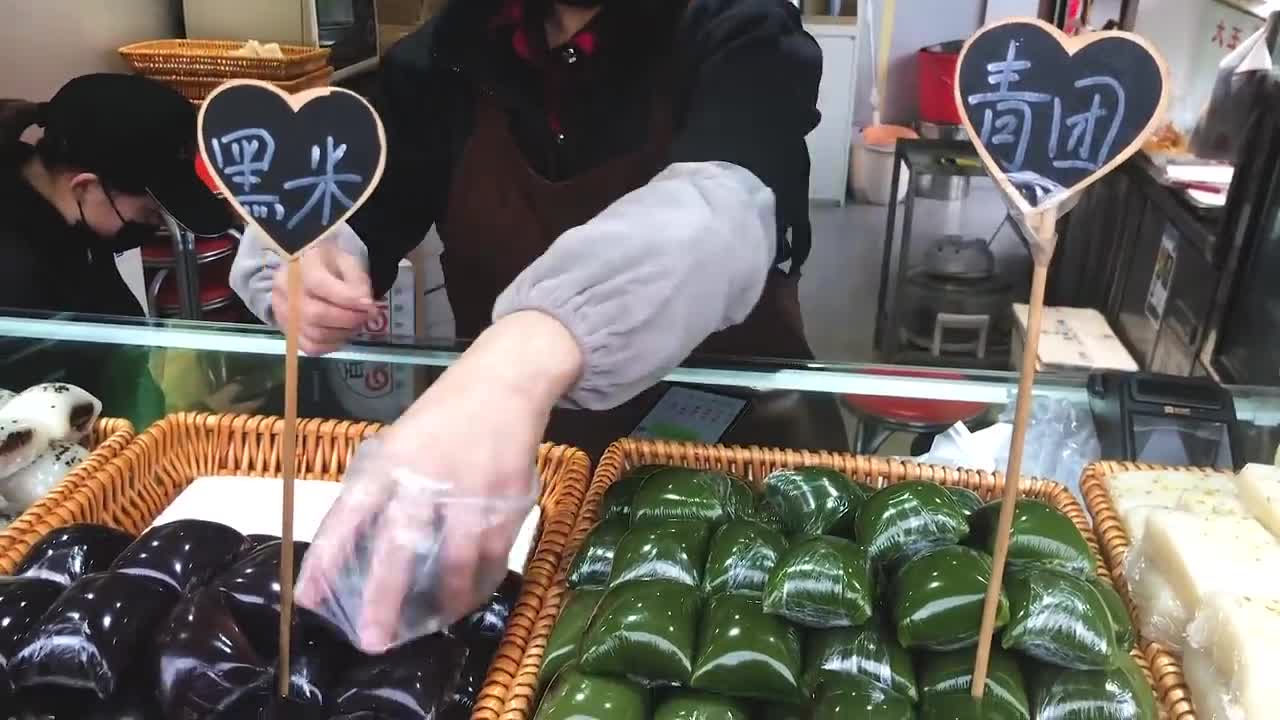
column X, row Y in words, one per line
column 1071, row 339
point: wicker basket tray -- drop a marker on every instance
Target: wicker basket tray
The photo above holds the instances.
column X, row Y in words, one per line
column 196, row 89
column 213, row 59
column 1171, row 685
column 131, row 489
column 752, row 464
column 107, row 439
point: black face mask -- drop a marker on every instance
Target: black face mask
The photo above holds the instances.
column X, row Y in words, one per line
column 131, row 235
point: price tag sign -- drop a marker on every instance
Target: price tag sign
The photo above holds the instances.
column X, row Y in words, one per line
column 1050, row 114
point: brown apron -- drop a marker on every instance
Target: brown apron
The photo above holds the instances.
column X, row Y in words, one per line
column 502, row 215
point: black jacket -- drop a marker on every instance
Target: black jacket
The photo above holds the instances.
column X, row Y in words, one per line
column 742, row 76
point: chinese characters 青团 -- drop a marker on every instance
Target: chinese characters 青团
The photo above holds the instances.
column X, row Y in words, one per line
column 1081, row 140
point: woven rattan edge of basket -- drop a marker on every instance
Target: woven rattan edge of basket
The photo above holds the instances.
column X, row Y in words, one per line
column 520, row 653
column 210, row 59
column 109, row 437
column 752, row 464
column 1165, row 667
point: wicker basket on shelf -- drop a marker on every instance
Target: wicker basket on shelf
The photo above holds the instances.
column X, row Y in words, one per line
column 752, row 464
column 107, row 439
column 130, row 490
column 1166, row 667
column 213, row 59
column 196, row 89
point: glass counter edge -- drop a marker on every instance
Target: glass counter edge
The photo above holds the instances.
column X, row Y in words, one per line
column 1256, row 404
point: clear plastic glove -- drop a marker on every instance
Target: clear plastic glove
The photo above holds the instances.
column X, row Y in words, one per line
column 421, row 533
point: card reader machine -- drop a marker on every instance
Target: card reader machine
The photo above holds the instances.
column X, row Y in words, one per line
column 1165, row 420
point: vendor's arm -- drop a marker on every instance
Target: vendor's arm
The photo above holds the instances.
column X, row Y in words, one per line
column 647, row 280
column 342, row 275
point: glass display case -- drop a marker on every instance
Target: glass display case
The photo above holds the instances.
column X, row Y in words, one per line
column 144, row 370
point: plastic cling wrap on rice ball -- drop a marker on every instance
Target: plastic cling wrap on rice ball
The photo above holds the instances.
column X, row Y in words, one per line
column 1041, row 535
column 742, row 554
column 947, row 677
column 92, row 636
column 644, row 631
column 184, row 555
column 562, row 647
column 23, row 601
column 413, row 681
column 1126, row 636
column 824, row 582
column 694, row 705
column 706, row 496
column 594, row 561
column 742, row 652
column 69, row 553
column 578, row 696
column 1059, row 619
column 620, row 495
column 871, row 652
column 967, row 499
column 1121, row 693
column 937, row 599
column 673, row 550
column 29, row 485
column 813, row 501
column 905, row 519
column 860, row 699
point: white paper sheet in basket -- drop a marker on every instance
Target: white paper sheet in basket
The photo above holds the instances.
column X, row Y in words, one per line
column 253, row 506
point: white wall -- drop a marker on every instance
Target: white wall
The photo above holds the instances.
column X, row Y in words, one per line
column 918, row 24
column 43, row 43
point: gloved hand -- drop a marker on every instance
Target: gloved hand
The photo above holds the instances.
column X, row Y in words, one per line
column 430, row 508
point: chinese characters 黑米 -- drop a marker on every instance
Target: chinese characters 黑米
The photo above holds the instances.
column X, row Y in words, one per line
column 325, row 184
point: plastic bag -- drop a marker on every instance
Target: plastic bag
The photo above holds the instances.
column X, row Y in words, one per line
column 69, row 553
column 1059, row 619
column 620, row 495
column 871, row 652
column 643, row 631
column 903, row 520
column 384, row 565
column 947, row 677
column 745, row 653
column 824, row 582
column 1245, row 76
column 1040, row 535
column 1061, row 441
column 813, row 501
column 562, row 647
column 857, row 697
column 742, row 555
column 677, row 493
column 184, row 555
column 1119, row 694
column 674, row 550
column 578, row 696
column 693, row 705
column 594, row 561
column 93, row 635
column 937, row 599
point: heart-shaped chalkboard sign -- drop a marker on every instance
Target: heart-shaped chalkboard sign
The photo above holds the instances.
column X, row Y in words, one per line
column 294, row 165
column 1050, row 114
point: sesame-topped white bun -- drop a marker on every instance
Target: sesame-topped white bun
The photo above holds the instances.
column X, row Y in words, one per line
column 64, row 412
column 26, row 486
column 21, row 442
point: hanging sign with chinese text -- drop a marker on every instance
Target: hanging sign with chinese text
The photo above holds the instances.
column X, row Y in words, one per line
column 294, row 165
column 1048, row 113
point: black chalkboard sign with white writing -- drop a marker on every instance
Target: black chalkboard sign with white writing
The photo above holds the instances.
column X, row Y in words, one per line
column 295, row 166
column 1052, row 113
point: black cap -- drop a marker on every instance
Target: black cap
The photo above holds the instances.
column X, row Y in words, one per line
column 138, row 135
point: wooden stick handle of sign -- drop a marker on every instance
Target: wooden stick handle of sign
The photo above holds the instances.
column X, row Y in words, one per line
column 288, row 467
column 1044, row 226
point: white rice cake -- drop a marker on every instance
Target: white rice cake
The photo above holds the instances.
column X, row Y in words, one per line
column 1259, row 488
column 1213, row 701
column 1161, row 615
column 1239, row 635
column 1164, row 488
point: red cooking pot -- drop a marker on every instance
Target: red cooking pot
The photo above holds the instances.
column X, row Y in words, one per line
column 935, row 82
